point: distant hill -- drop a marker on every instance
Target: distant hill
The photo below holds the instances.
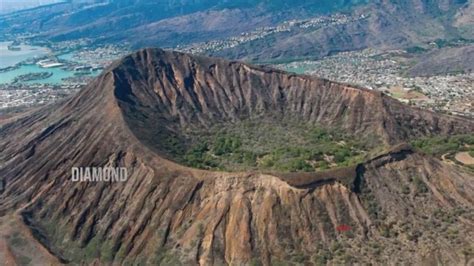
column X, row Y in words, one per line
column 451, row 60
column 387, row 24
column 163, row 23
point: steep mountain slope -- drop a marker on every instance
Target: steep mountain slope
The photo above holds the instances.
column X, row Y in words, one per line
column 170, row 214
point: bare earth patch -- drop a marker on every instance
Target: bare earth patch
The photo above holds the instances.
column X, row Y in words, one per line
column 465, row 158
column 400, row 93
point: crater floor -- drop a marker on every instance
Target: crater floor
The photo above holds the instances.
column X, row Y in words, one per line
column 266, row 144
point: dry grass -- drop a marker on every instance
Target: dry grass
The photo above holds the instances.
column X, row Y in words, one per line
column 400, row 93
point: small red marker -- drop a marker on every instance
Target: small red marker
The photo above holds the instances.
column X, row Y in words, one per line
column 343, row 228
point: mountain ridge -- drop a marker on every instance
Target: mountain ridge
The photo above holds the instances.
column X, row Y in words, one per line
column 388, row 25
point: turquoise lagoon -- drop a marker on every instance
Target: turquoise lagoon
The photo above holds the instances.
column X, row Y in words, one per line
column 56, row 78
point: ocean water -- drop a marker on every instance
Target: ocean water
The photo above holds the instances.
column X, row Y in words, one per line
column 66, row 56
column 58, row 74
column 11, row 58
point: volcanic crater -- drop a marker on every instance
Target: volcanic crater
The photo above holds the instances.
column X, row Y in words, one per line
column 163, row 114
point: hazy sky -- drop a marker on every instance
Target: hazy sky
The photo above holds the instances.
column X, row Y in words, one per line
column 11, row 5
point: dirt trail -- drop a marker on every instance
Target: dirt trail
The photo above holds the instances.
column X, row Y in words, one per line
column 464, row 158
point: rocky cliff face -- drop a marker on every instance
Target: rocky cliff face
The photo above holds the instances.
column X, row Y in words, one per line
column 392, row 208
column 184, row 90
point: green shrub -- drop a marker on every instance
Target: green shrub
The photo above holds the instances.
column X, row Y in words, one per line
column 107, row 252
column 255, row 262
column 405, row 189
column 173, row 145
column 322, row 257
column 249, row 158
column 16, row 240
column 318, row 134
column 226, row 144
column 439, row 145
column 420, row 185
column 24, row 260
column 341, row 155
column 384, row 230
column 297, row 164
column 415, row 50
column 92, row 250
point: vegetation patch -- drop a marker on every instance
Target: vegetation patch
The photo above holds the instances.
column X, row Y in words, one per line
column 285, row 146
column 440, row 145
column 448, row 147
column 412, row 94
column 416, row 50
column 16, row 240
